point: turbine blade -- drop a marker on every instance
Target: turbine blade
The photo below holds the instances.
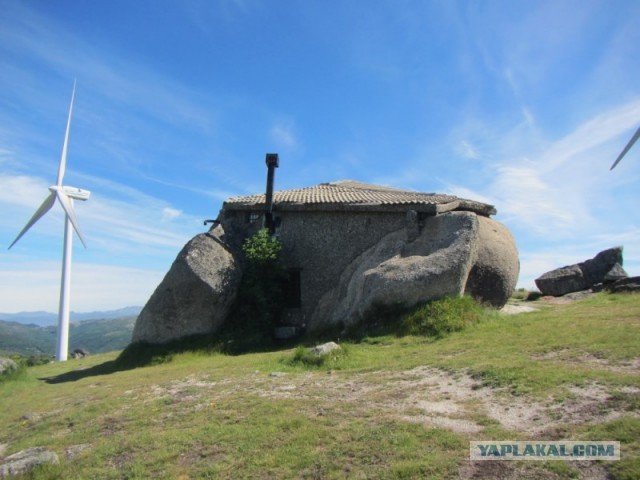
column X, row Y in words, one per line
column 63, row 157
column 633, row 140
column 67, row 206
column 44, row 208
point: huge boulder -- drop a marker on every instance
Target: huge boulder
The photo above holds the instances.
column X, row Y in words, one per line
column 580, row 276
column 195, row 295
column 495, row 271
column 405, row 270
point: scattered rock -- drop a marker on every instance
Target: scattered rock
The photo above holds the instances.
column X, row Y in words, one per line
column 30, row 417
column 561, row 281
column 324, row 349
column 74, row 451
column 580, row 276
column 196, row 294
column 277, row 374
column 26, row 460
column 7, row 366
column 630, row 284
column 79, row 353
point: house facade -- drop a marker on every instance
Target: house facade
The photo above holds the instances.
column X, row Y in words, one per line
column 326, row 228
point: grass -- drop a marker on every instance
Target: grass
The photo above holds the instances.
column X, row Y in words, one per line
column 205, row 414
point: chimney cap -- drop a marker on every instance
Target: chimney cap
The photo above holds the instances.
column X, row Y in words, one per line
column 272, row 160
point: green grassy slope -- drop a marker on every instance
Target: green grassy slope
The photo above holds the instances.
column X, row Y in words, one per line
column 362, row 415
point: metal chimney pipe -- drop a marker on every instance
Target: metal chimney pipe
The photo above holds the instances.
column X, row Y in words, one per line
column 272, row 162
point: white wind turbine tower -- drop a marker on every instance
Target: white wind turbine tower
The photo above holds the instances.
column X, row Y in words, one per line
column 65, row 196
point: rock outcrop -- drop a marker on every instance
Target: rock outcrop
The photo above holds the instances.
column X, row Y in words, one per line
column 583, row 275
column 195, row 295
column 26, row 460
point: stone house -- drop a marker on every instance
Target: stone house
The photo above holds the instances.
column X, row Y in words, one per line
column 348, row 246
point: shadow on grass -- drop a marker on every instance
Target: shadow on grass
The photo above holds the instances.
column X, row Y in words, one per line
column 140, row 355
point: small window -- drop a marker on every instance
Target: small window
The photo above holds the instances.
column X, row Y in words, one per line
column 252, row 217
column 292, row 290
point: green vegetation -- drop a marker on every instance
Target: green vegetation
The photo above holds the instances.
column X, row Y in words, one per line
column 435, row 319
column 524, row 294
column 96, row 336
column 260, row 301
column 305, row 357
column 200, row 413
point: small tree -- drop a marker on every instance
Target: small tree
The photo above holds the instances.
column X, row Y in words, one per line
column 260, row 301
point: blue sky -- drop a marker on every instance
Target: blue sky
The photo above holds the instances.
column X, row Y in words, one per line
column 523, row 104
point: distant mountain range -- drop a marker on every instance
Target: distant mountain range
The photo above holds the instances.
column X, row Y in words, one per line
column 96, row 336
column 44, row 319
column 34, row 333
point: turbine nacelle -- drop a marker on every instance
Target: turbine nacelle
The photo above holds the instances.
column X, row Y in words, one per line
column 72, row 192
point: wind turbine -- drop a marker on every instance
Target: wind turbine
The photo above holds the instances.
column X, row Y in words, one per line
column 633, row 140
column 65, row 196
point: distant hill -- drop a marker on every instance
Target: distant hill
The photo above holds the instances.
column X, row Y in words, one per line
column 43, row 319
column 96, row 336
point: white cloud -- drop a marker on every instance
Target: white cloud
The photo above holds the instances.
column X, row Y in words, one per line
column 169, row 213
column 32, row 286
column 283, row 134
column 467, row 150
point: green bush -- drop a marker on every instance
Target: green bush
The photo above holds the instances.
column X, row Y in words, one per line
column 441, row 317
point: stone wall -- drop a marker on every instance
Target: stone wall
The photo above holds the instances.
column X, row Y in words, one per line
column 321, row 245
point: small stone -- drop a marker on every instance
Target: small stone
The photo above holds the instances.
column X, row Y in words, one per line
column 325, row 348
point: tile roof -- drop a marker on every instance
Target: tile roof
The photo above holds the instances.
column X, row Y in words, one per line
column 351, row 195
